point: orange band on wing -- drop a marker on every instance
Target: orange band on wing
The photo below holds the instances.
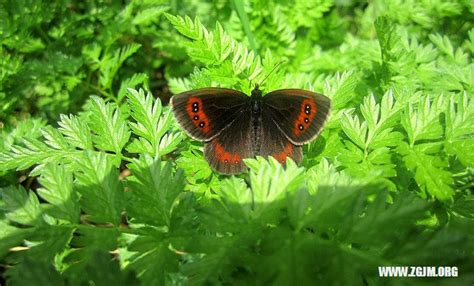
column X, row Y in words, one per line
column 308, row 110
column 224, row 156
column 195, row 111
column 287, row 151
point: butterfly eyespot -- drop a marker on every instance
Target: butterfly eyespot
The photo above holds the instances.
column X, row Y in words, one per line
column 196, row 117
column 301, row 127
column 202, row 124
column 195, row 106
column 306, row 120
column 226, row 161
column 236, row 162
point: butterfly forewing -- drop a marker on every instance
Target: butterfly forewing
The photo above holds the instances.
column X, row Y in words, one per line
column 299, row 114
column 204, row 113
column 226, row 150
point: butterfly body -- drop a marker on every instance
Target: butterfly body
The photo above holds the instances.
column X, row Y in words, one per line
column 236, row 126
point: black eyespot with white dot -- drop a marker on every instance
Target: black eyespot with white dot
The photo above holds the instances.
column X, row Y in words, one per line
column 226, row 161
column 236, row 162
column 301, row 127
column 202, row 124
column 306, row 120
column 195, row 107
column 307, row 109
column 196, row 117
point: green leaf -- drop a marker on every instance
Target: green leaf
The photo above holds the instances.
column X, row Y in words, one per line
column 33, row 272
column 34, row 152
column 424, row 121
column 343, row 90
column 152, row 259
column 270, row 182
column 236, row 198
column 195, row 166
column 109, row 125
column 355, row 129
column 153, row 191
column 110, row 63
column 102, row 194
column 429, row 168
column 212, row 48
column 131, row 82
column 58, row 190
column 21, row 206
column 76, row 131
column 54, row 139
column 460, row 129
column 90, row 243
column 11, row 236
column 148, row 15
column 151, row 125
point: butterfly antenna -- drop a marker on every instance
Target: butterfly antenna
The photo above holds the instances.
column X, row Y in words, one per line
column 274, row 68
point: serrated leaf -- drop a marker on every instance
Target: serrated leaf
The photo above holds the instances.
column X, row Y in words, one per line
column 109, row 125
column 76, row 131
column 131, row 82
column 33, row 152
column 424, row 122
column 21, row 206
column 151, row 125
column 102, row 194
column 58, row 190
column 110, row 63
column 430, row 173
column 236, row 198
column 54, row 139
column 153, row 190
column 148, row 15
column 270, row 181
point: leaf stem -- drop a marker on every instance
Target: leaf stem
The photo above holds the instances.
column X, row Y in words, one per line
column 239, row 7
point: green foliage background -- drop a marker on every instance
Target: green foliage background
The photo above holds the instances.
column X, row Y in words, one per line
column 97, row 178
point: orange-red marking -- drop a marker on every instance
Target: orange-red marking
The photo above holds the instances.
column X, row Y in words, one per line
column 202, row 118
column 300, row 121
column 287, row 151
column 223, row 156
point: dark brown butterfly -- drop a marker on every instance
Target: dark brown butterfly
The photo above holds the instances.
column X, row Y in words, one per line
column 236, row 126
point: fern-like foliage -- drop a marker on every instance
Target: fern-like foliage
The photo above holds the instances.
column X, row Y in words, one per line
column 115, row 193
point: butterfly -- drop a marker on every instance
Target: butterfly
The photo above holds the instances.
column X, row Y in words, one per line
column 235, row 126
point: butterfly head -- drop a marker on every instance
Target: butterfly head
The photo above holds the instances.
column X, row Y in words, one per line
column 256, row 92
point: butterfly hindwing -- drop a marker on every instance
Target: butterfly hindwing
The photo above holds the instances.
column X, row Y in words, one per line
column 299, row 114
column 204, row 113
column 274, row 143
column 226, row 150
